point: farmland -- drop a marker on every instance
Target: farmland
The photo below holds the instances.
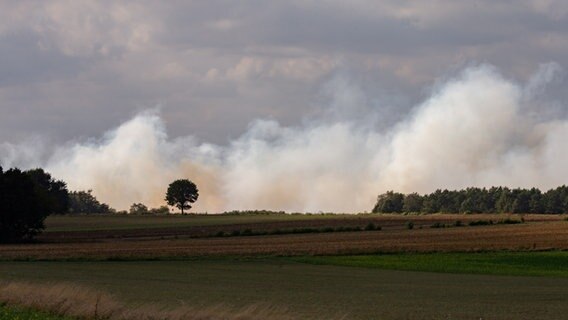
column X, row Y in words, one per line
column 412, row 267
column 193, row 238
column 319, row 291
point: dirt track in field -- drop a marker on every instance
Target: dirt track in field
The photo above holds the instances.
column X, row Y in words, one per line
column 545, row 234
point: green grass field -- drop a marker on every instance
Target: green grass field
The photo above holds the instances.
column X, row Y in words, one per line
column 309, row 291
column 15, row 313
column 549, row 264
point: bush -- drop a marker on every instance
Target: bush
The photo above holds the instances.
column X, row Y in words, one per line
column 458, row 223
column 304, row 230
column 510, row 221
column 138, row 208
column 438, row 225
column 409, row 225
column 370, row 226
column 160, row 211
column 480, row 223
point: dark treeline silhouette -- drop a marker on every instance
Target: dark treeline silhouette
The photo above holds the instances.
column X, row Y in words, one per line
column 85, row 202
column 476, row 200
column 26, row 199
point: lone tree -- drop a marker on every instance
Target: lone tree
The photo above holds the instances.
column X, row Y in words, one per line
column 181, row 193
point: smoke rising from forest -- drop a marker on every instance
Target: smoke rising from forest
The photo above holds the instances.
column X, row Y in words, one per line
column 476, row 129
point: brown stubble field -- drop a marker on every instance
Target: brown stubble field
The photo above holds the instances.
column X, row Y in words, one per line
column 539, row 232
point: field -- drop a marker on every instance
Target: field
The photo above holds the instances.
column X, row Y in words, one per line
column 436, row 269
column 546, row 264
column 194, row 236
column 309, row 291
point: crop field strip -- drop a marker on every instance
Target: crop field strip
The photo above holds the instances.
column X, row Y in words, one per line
column 528, row 236
column 96, row 222
column 58, row 223
column 111, row 227
column 320, row 291
column 530, row 263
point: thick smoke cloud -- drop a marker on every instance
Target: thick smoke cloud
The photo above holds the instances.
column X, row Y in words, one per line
column 476, row 129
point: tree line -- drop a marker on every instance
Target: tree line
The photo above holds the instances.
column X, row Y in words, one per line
column 476, row 200
column 28, row 197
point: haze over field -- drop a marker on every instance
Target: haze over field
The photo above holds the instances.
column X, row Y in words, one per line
column 261, row 114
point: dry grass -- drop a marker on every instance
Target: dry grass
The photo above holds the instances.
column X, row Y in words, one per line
column 85, row 303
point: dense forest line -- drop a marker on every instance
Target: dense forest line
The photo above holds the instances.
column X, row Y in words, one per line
column 476, row 200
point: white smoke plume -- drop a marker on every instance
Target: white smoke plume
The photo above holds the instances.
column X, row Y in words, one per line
column 476, row 129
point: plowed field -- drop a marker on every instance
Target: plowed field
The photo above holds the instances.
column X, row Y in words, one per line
column 537, row 233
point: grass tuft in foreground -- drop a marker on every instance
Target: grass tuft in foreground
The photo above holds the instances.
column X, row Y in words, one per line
column 18, row 300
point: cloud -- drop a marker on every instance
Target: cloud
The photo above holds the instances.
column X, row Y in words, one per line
column 475, row 129
column 73, row 69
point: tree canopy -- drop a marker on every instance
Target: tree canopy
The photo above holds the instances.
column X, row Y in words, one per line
column 26, row 199
column 476, row 200
column 54, row 192
column 181, row 194
column 86, row 202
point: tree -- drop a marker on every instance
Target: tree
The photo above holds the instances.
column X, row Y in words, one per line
column 25, row 202
column 390, row 202
column 181, row 193
column 412, row 203
column 86, row 202
column 521, row 204
column 54, row 192
column 138, row 208
column 536, row 204
column 430, row 204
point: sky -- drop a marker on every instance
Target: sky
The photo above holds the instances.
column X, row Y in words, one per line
column 217, row 78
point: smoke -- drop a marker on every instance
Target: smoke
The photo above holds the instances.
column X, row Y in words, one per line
column 476, row 129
